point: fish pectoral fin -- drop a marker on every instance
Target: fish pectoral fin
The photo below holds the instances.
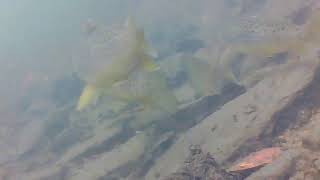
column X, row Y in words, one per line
column 230, row 77
column 150, row 66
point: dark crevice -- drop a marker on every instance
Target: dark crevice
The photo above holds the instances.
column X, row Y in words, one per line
column 140, row 167
column 119, row 138
column 149, row 159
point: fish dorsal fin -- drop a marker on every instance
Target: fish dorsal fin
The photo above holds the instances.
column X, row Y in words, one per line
column 139, row 43
column 131, row 25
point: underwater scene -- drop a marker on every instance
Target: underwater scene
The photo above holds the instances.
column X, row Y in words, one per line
column 159, row 89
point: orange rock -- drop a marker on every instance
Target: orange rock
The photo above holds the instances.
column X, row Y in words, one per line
column 260, row 158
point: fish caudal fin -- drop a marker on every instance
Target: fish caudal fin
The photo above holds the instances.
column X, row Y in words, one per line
column 86, row 97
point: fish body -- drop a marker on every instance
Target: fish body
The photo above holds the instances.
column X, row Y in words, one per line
column 201, row 76
column 123, row 68
column 209, row 76
column 129, row 55
column 147, row 88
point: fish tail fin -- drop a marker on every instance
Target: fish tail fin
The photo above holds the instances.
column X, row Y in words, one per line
column 86, row 97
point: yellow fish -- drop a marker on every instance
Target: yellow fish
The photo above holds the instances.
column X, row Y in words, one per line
column 146, row 88
column 86, row 97
column 132, row 56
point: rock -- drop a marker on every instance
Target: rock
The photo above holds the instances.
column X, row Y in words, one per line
column 95, row 168
column 80, row 148
column 202, row 166
column 29, row 135
column 277, row 169
column 317, row 164
column 311, row 137
column 229, row 134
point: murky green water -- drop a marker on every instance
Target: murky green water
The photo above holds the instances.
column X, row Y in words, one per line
column 102, row 89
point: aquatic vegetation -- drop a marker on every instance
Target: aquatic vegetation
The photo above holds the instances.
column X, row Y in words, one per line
column 260, row 54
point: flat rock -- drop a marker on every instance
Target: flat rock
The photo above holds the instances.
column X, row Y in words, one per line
column 244, row 118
